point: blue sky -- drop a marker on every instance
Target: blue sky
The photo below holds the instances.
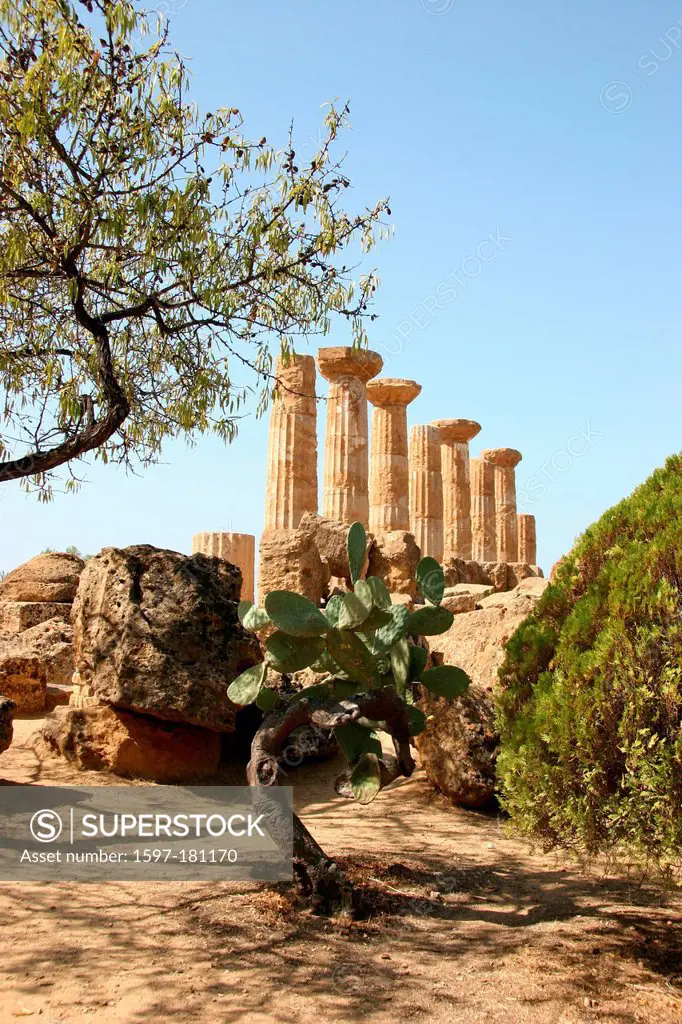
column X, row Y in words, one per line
column 553, row 126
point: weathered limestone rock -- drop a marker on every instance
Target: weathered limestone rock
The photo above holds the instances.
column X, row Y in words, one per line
column 426, row 490
column 330, row 538
column 518, row 571
column 237, row 548
column 388, row 466
column 289, row 560
column 475, row 590
column 394, row 557
column 459, row 747
column 504, row 461
column 7, row 707
column 291, row 487
column 345, row 490
column 483, row 524
column 525, row 595
column 104, row 738
column 22, row 680
column 16, row 616
column 454, row 449
column 51, row 577
column 31, row 661
column 528, row 551
column 459, row 602
column 457, row 570
column 157, row 632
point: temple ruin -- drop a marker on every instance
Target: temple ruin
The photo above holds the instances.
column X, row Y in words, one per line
column 425, row 487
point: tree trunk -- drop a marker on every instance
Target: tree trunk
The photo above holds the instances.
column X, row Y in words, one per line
column 318, row 878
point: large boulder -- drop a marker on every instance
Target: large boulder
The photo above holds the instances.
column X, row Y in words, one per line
column 289, row 560
column 458, row 749
column 394, row 557
column 331, row 540
column 51, row 577
column 7, row 707
column 34, row 659
column 157, row 632
column 103, row 738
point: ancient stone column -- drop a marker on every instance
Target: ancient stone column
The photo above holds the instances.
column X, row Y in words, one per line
column 389, row 487
column 237, row 548
column 454, row 453
column 504, row 461
column 291, row 485
column 345, row 489
column 527, row 539
column 483, row 526
column 426, row 490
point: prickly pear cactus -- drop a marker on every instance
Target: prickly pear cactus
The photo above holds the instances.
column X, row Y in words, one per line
column 363, row 643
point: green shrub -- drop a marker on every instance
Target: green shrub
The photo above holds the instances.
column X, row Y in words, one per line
column 590, row 701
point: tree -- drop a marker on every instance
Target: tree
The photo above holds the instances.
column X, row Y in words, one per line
column 372, row 662
column 146, row 249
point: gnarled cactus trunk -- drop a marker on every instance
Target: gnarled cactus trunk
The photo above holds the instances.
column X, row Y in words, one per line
column 318, row 878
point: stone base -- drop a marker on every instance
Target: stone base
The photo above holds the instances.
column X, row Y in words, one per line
column 16, row 616
column 103, row 738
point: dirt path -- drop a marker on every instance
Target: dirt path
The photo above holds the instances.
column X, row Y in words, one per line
column 472, row 929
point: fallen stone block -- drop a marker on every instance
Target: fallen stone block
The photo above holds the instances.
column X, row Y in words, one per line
column 16, row 616
column 102, row 738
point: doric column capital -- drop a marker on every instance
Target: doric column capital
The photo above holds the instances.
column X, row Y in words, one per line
column 457, row 430
column 386, row 392
column 507, row 457
column 344, row 361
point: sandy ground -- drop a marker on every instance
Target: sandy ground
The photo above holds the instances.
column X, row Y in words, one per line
column 469, row 927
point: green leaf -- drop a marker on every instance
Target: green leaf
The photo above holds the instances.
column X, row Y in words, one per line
column 333, row 609
column 319, row 691
column 446, row 680
column 374, row 617
column 267, row 699
column 365, row 778
column 375, row 620
column 431, row 580
column 353, row 613
column 295, row 614
column 339, row 689
column 416, row 719
column 325, row 663
column 289, row 654
column 355, row 741
column 350, row 653
column 357, row 545
column 252, row 617
column 429, row 621
column 246, row 687
column 387, row 635
column 418, row 660
column 380, row 594
column 400, row 664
